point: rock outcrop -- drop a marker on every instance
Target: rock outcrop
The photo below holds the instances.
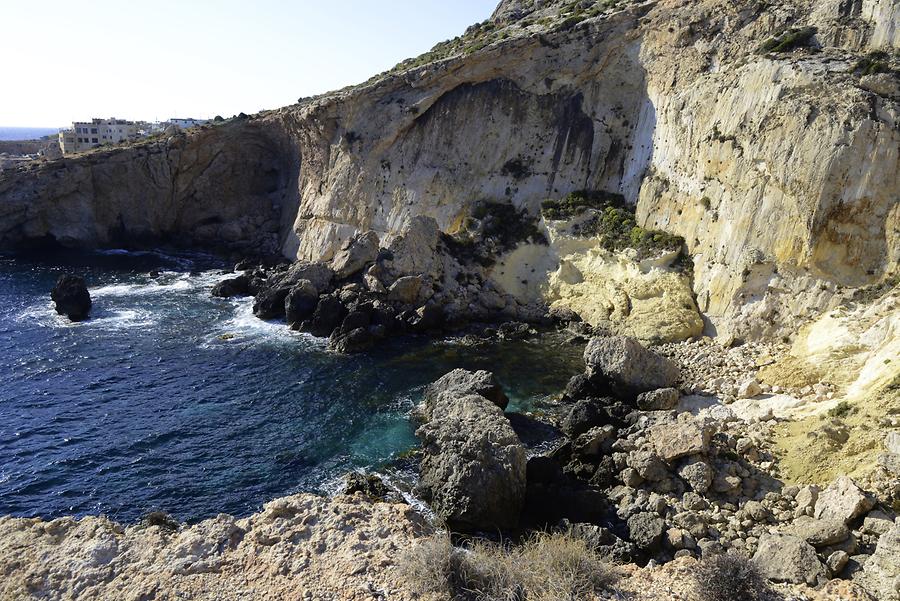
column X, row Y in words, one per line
column 71, row 297
column 783, row 182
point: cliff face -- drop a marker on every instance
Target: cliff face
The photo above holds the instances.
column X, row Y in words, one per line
column 780, row 170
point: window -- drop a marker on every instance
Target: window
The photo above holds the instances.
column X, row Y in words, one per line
column 95, row 140
column 93, row 130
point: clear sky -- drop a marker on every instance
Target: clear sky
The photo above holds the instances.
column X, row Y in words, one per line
column 66, row 60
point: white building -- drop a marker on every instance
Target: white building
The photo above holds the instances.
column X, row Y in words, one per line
column 187, row 122
column 86, row 135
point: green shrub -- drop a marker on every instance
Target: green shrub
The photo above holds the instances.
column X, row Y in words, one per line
column 491, row 229
column 842, row 409
column 789, row 40
column 729, row 577
column 872, row 63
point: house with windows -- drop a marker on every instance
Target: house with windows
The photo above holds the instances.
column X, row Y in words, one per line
column 187, row 122
column 85, row 135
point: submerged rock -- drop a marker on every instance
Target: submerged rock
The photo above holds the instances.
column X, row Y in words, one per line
column 71, row 296
column 239, row 286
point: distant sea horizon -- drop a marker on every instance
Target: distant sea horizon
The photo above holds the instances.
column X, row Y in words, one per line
column 25, row 133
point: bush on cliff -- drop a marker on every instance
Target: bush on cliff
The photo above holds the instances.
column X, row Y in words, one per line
column 789, row 40
column 546, row 567
column 729, row 577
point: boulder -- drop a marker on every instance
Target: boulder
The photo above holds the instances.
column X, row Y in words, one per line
column 786, row 558
column 415, row 251
column 818, row 533
column 270, row 302
column 317, row 274
column 461, row 382
column 582, row 386
column 328, row 315
column 646, row 530
column 880, row 574
column 239, row 286
column 474, row 466
column 661, row 399
column 680, row 439
column 584, row 415
column 71, row 296
column 843, row 500
column 749, row 389
column 629, row 366
column 405, row 290
column 356, row 340
column 697, row 473
column 355, row 255
column 300, row 303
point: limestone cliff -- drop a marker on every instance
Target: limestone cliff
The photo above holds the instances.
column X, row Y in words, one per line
column 778, row 167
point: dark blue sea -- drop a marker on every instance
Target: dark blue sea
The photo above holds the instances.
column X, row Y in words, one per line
column 169, row 399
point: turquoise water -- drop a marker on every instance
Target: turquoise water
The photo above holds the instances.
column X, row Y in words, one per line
column 170, row 399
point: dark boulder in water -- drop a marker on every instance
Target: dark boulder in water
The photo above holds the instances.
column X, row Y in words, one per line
column 356, row 340
column 269, row 303
column 239, row 286
column 329, row 314
column 71, row 297
column 301, row 301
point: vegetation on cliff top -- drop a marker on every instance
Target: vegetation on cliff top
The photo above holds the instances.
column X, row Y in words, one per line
column 788, row 40
column 492, row 228
column 612, row 220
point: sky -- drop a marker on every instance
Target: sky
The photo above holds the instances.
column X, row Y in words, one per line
column 68, row 60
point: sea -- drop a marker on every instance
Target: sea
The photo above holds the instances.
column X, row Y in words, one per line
column 25, row 133
column 168, row 399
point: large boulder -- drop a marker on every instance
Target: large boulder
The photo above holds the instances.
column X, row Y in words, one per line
column 355, row 255
column 881, row 572
column 646, row 530
column 300, row 303
column 819, row 533
column 629, row 366
column 474, row 465
column 71, row 296
column 239, row 286
column 415, row 251
column 786, row 558
column 329, row 314
column 462, row 382
column 843, row 500
column 680, row 438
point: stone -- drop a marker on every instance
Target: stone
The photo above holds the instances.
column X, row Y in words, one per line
column 680, row 439
column 646, row 530
column 880, row 575
column 819, row 533
column 586, row 414
column 749, row 389
column 648, row 465
column 71, row 297
column 837, row 561
column 697, row 473
column 877, row 523
column 237, row 286
column 842, row 500
column 405, row 290
column 756, row 511
column 355, row 255
column 355, row 340
column 300, row 302
column 461, row 382
column 629, row 365
column 786, row 558
column 892, row 442
column 806, row 497
column 473, row 468
column 415, row 251
column 661, row 399
column 582, row 386
column 328, row 315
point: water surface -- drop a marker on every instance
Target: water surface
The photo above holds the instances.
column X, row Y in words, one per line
column 170, row 399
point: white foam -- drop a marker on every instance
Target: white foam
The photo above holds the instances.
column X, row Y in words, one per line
column 244, row 326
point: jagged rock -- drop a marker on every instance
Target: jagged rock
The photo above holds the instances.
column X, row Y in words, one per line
column 842, row 500
column 514, row 330
column 880, row 575
column 328, row 315
column 584, row 415
column 415, row 251
column 405, row 289
column 646, row 530
column 756, row 511
column 837, row 561
column 806, row 497
column 697, row 473
column 749, row 389
column 71, row 297
column 818, row 533
column 355, row 340
column 238, row 286
column 461, row 382
column 680, row 439
column 628, row 365
column 661, row 399
column 593, row 441
column 300, row 303
column 877, row 523
column 317, row 274
column 355, row 255
column 370, row 485
column 648, row 465
column 474, row 466
column 786, row 558
column 270, row 302
column 581, row 386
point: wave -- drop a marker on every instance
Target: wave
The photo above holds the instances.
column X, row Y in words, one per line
column 244, row 326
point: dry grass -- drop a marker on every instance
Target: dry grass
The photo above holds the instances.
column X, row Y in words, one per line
column 546, row 567
column 730, row 577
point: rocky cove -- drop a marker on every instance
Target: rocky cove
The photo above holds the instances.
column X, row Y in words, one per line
column 693, row 204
